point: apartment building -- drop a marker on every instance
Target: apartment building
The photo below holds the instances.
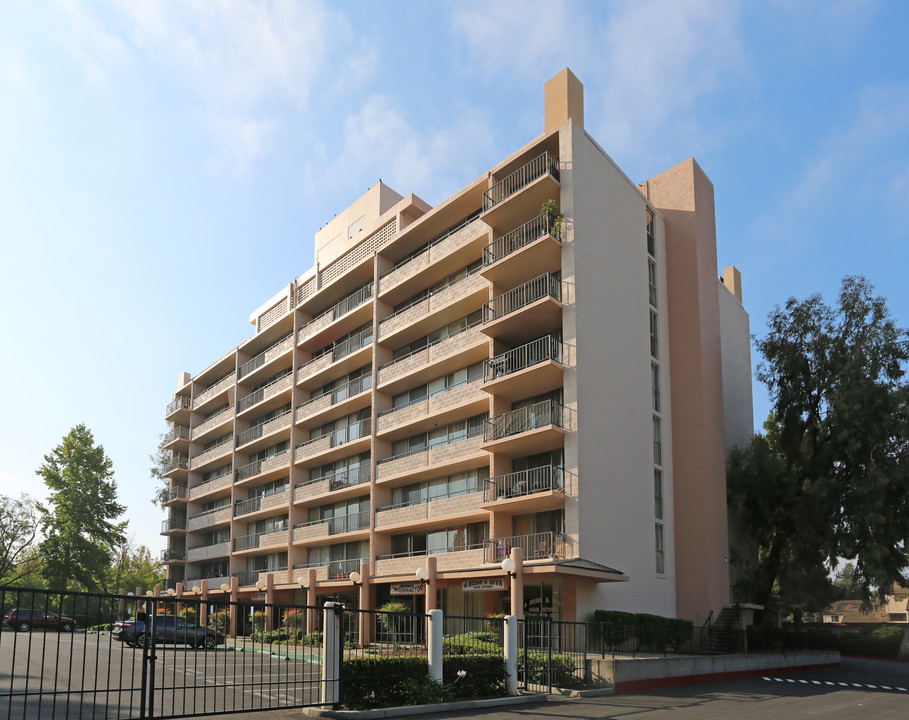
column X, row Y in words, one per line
column 543, row 369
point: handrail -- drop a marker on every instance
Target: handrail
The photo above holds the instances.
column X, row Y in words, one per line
column 205, row 513
column 426, row 500
column 523, row 356
column 417, row 401
column 470, row 433
column 260, row 359
column 340, row 523
column 524, row 175
column 519, row 237
column 536, row 546
column 430, row 344
column 526, row 482
column 439, row 551
column 255, row 432
column 257, row 396
column 432, row 243
column 341, row 349
column 251, row 541
column 255, row 467
column 177, row 462
column 341, row 479
column 545, row 285
column 178, row 432
column 242, row 507
column 181, row 402
column 532, row 417
column 349, row 433
column 448, row 284
column 342, row 392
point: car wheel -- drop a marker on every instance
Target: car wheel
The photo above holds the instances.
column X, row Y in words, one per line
column 142, row 640
column 211, row 642
column 66, row 627
column 23, row 626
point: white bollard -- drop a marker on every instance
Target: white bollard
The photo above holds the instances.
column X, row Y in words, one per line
column 434, row 644
column 331, row 653
column 511, row 654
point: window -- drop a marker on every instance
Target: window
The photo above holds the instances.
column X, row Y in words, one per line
column 660, row 565
column 655, row 385
column 443, row 333
column 438, row 437
column 654, row 335
column 652, row 281
column 657, row 441
column 651, row 237
column 451, row 486
column 658, row 494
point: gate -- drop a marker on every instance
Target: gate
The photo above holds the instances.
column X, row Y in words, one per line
column 90, row 655
column 552, row 653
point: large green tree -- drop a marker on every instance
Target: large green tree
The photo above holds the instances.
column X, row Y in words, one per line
column 160, row 461
column 19, row 561
column 79, row 521
column 134, row 567
column 829, row 477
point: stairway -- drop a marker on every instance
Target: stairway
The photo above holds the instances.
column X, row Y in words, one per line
column 723, row 631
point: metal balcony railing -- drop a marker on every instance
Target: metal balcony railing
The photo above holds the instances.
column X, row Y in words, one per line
column 341, row 349
column 267, row 354
column 254, row 433
column 254, row 503
column 524, row 175
column 215, row 389
column 432, row 243
column 519, row 237
column 337, row 569
column 177, row 492
column 526, row 482
column 178, row 432
column 172, row 554
column 342, row 479
column 219, row 417
column 536, row 546
column 341, row 523
column 173, row 524
column 532, row 417
column 522, row 357
column 438, row 290
column 255, row 467
column 251, row 541
column 351, row 302
column 342, row 392
column 179, row 403
column 251, row 577
column 177, row 462
column 432, row 551
column 342, row 435
column 546, row 285
column 257, row 396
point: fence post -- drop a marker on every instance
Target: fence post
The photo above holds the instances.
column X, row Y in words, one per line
column 434, row 644
column 331, row 653
column 511, row 654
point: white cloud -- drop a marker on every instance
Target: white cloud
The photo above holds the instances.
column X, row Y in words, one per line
column 99, row 53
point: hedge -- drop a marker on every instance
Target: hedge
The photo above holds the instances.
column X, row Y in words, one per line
column 882, row 641
column 619, row 627
column 537, row 664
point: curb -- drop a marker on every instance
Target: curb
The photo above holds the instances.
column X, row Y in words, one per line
column 411, row 710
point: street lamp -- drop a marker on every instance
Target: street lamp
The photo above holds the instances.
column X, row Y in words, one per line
column 508, row 566
column 260, row 585
column 171, row 592
column 422, row 575
column 301, row 581
column 355, row 578
column 225, row 587
column 197, row 589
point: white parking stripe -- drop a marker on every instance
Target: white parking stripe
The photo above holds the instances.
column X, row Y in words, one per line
column 833, row 684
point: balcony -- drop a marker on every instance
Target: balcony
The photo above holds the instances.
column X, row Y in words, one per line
column 525, row 311
column 262, row 503
column 173, row 525
column 174, row 493
column 265, row 430
column 176, row 434
column 203, row 552
column 178, row 409
column 406, row 564
column 209, row 518
column 337, row 359
column 435, row 462
column 439, row 258
column 530, row 369
column 273, row 464
column 445, row 305
column 173, row 555
column 332, row 484
column 249, row 578
column 537, row 546
column 530, row 185
column 272, row 390
column 177, row 462
column 332, row 569
column 210, row 393
column 278, row 538
column 532, row 490
column 331, row 446
column 462, row 506
column 346, row 315
column 341, row 401
column 522, row 253
column 214, row 583
column 340, row 525
column 528, row 430
column 266, row 356
column 212, row 424
column 212, row 454
column 220, row 485
column 428, row 363
column 438, row 409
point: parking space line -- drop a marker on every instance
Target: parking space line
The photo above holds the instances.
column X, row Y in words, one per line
column 829, row 683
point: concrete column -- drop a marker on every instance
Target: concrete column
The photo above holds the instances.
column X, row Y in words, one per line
column 431, row 583
column 179, row 590
column 331, row 653
column 269, row 601
column 233, row 609
column 364, row 604
column 517, row 583
column 311, row 600
column 511, row 654
column 434, row 644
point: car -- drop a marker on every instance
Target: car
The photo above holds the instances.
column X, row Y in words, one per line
column 168, row 629
column 24, row 619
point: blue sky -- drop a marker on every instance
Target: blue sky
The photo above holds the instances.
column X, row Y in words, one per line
column 165, row 165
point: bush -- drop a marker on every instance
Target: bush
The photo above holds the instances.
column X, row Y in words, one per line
column 881, row 641
column 642, row 630
column 313, row 639
column 190, row 614
column 295, row 623
column 537, row 664
column 219, row 621
column 470, row 643
column 270, row 636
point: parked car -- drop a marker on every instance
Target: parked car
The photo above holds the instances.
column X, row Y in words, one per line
column 168, row 629
column 23, row 620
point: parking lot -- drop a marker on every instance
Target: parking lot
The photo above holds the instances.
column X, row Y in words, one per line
column 44, row 674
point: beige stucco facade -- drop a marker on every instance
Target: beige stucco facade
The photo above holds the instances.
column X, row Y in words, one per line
column 487, row 379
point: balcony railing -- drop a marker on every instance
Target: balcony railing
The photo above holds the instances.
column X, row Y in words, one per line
column 337, row 569
column 254, row 433
column 178, row 432
column 269, row 353
column 519, row 237
column 172, row 554
column 341, row 393
column 342, row 479
column 526, row 482
column 537, row 546
column 448, row 284
column 546, row 285
column 181, row 402
column 251, row 577
column 344, row 348
column 219, row 417
column 251, row 541
column 342, row 435
column 177, row 462
column 219, row 387
column 341, row 308
column 257, row 396
column 522, row 357
column 539, row 166
column 532, row 417
column 341, row 523
column 215, row 451
column 203, row 552
column 255, row 467
column 431, row 551
column 254, row 504
column 173, row 524
column 177, row 492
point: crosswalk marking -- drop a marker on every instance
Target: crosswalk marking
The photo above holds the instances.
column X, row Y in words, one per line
column 830, row 683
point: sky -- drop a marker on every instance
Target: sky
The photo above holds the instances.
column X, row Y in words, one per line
column 164, row 166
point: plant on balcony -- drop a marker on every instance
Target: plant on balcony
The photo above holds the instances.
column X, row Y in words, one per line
column 551, row 210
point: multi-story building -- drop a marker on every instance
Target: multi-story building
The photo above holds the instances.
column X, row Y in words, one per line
column 544, row 368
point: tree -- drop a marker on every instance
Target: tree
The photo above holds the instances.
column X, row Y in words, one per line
column 829, row 478
column 848, row 584
column 18, row 540
column 134, row 567
column 160, row 461
column 78, row 523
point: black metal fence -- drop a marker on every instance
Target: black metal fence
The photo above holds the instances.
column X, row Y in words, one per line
column 90, row 655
